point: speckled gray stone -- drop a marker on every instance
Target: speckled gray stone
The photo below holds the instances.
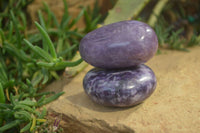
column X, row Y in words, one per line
column 120, row 88
column 119, row 45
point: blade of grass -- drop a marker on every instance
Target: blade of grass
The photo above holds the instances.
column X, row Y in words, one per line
column 41, row 100
column 3, row 76
column 94, row 22
column 59, row 45
column 87, row 19
column 50, row 99
column 18, row 35
column 2, row 100
column 69, row 54
column 63, row 64
column 2, row 39
column 55, row 75
column 6, row 106
column 37, row 78
column 156, row 12
column 26, row 128
column 16, row 52
column 40, row 52
column 23, row 18
column 24, row 107
column 10, row 125
column 75, row 33
column 34, row 38
column 52, row 15
column 49, row 16
column 48, row 40
column 66, row 14
column 28, row 102
column 41, row 19
column 46, row 65
column 10, row 31
column 46, row 75
column 74, row 21
column 22, row 114
column 65, row 23
column 44, row 112
column 19, row 69
column 67, row 50
column 43, row 93
column 33, row 123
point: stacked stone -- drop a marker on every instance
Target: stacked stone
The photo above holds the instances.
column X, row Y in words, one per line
column 118, row 52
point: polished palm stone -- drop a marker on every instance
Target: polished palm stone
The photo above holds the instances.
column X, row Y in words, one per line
column 120, row 88
column 119, row 45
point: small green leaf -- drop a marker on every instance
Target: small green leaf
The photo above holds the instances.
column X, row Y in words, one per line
column 66, row 14
column 13, row 50
column 46, row 65
column 10, row 31
column 44, row 54
column 54, row 74
column 5, row 106
column 15, row 22
column 43, row 93
column 3, row 77
column 52, row 15
column 43, row 113
column 2, row 96
column 26, row 128
column 10, row 125
column 41, row 100
column 40, row 52
column 41, row 18
column 2, row 39
column 24, row 107
column 46, row 75
column 50, row 99
column 75, row 33
column 47, row 39
column 12, row 99
column 2, row 100
column 37, row 78
column 28, row 102
column 22, row 114
column 67, row 50
column 23, row 18
column 65, row 23
column 34, row 38
column 63, row 64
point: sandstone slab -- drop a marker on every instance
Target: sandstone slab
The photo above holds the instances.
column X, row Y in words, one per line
column 174, row 107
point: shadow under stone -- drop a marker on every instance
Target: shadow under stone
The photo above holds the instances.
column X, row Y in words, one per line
column 81, row 99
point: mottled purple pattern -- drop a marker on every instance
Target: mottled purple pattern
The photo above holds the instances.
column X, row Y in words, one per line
column 119, row 45
column 120, row 88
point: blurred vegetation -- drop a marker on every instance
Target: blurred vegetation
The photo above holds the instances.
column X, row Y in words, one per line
column 29, row 59
column 178, row 25
column 176, row 22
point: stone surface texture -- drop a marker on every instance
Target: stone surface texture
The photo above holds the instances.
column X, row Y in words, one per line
column 119, row 45
column 120, row 88
column 174, row 107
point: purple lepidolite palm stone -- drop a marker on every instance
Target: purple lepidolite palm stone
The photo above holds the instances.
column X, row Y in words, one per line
column 121, row 87
column 119, row 45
